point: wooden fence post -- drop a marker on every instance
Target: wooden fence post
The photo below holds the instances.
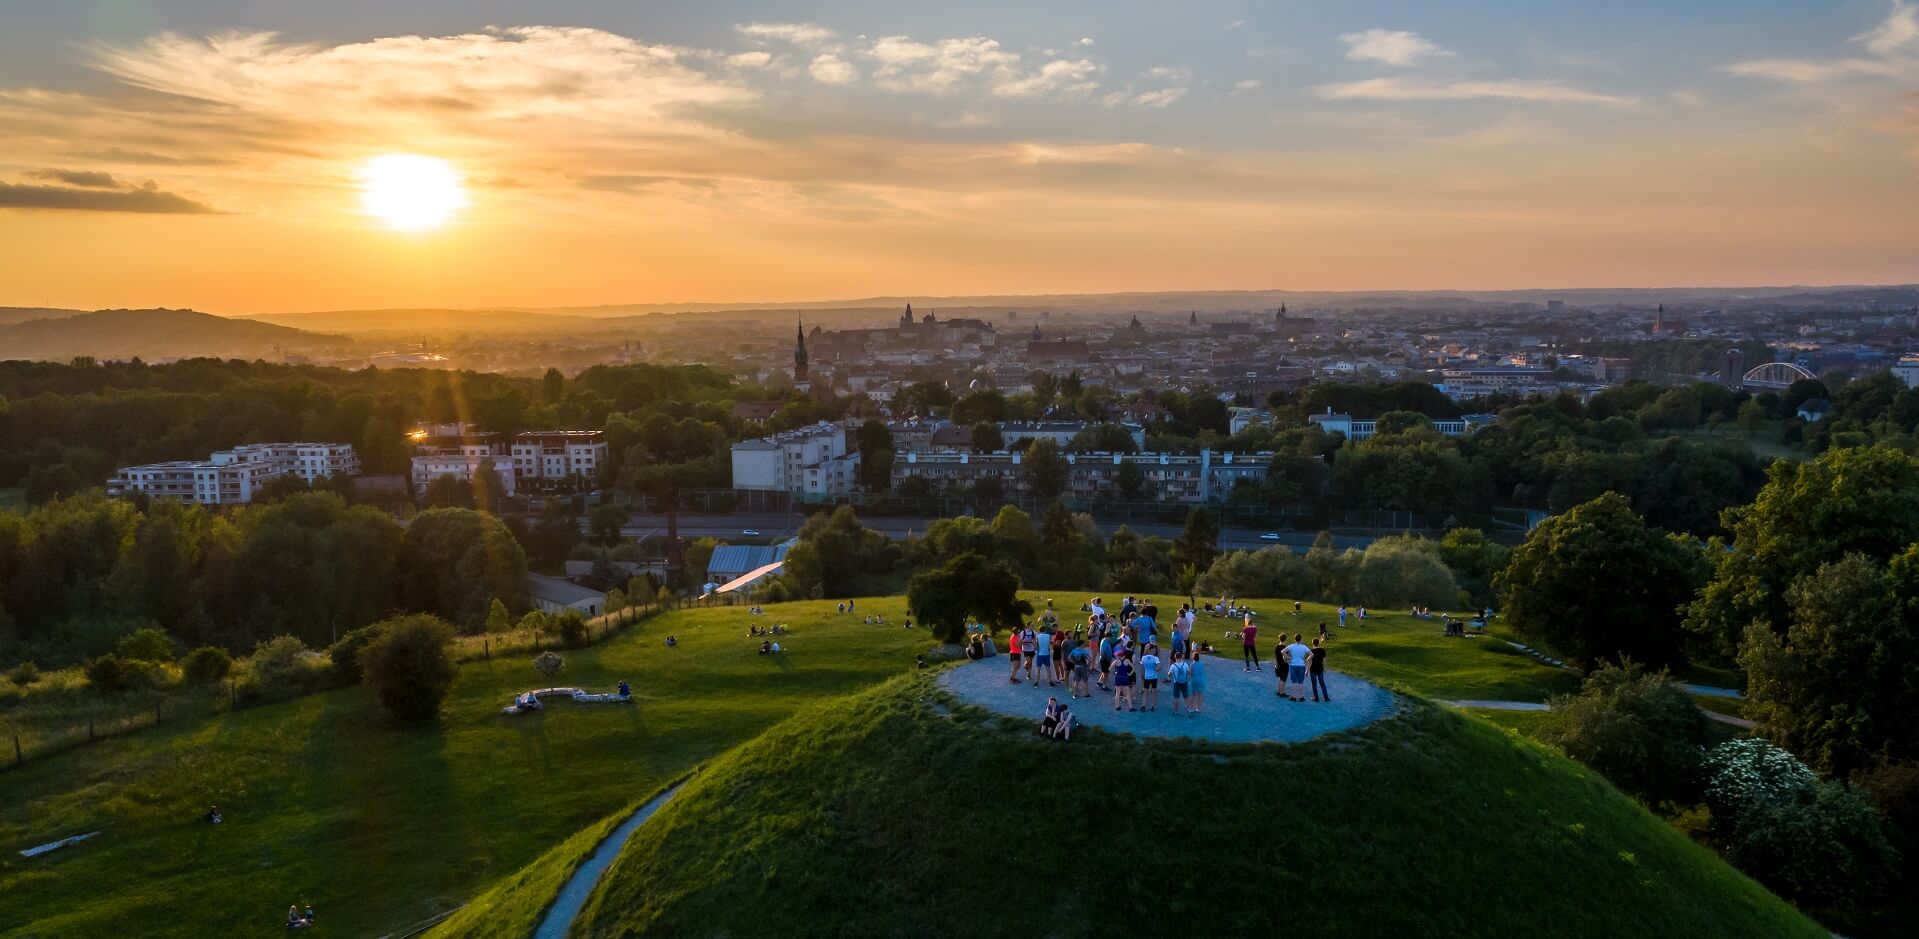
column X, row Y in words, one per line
column 19, row 759
column 156, row 710
column 486, row 649
column 90, row 737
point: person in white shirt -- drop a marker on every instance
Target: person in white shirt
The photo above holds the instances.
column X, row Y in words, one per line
column 1149, row 678
column 1297, row 656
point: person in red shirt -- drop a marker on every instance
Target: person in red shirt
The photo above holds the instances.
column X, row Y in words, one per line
column 1249, row 639
column 1012, row 652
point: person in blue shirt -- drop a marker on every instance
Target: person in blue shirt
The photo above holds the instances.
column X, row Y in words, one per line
column 1105, row 659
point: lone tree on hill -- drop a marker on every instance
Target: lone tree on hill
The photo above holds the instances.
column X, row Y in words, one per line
column 410, row 665
column 968, row 585
column 1597, row 584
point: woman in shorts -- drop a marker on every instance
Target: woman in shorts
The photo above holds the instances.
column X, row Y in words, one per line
column 1197, row 680
column 1180, row 673
column 1123, row 685
column 1012, row 654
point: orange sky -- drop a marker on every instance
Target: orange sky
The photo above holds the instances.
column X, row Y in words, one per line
column 785, row 161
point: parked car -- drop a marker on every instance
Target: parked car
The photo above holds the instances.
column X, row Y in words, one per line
column 749, row 533
column 1270, row 536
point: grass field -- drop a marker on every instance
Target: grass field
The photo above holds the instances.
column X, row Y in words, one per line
column 885, row 815
column 380, row 826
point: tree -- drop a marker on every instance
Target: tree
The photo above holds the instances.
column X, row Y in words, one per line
column 1103, row 438
column 1475, row 560
column 145, row 645
column 447, row 491
column 1130, row 480
column 410, row 665
column 552, row 387
column 1597, row 584
column 967, row 586
column 1403, row 570
column 1198, row 543
column 1838, row 687
column 1045, row 470
column 986, row 405
column 1634, row 727
column 206, row 665
column 987, row 438
column 606, row 522
column 457, row 561
column 346, row 653
column 876, row 456
column 498, row 620
column 699, row 555
column 552, row 537
column 1807, row 514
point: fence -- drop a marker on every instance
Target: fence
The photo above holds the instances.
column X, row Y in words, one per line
column 65, row 721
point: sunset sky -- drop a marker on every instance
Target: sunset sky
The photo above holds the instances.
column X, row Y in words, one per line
column 214, row 153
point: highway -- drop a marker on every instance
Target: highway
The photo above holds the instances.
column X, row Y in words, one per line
column 731, row 527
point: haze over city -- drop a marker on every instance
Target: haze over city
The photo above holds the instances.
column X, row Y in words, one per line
column 219, row 154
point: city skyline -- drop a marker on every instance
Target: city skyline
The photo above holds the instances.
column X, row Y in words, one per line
column 237, row 158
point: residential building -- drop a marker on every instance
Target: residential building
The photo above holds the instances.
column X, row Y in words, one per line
column 542, row 458
column 1357, row 430
column 1907, row 370
column 1464, row 383
column 1018, row 433
column 232, row 477
column 1200, row 477
column 554, row 596
column 464, row 465
column 809, row 461
column 531, row 461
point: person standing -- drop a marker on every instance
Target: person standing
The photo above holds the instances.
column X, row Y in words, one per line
column 1297, row 656
column 1012, row 652
column 1342, row 616
column 1059, row 645
column 1198, row 671
column 1081, row 673
column 1040, row 663
column 1149, row 677
column 1316, row 671
column 1249, row 648
column 1123, row 685
column 1180, row 673
column 1106, row 643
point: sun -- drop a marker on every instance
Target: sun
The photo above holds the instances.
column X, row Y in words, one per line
column 411, row 192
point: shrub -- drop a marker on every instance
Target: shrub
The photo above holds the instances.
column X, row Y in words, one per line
column 572, row 627
column 346, row 652
column 1634, row 727
column 24, row 674
column 112, row 673
column 1268, row 572
column 207, row 665
column 1400, row 571
column 410, row 665
column 1815, row 842
column 145, row 645
column 1893, row 789
column 278, row 657
column 548, row 664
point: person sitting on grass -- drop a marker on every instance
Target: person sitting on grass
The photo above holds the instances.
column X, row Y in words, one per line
column 919, row 660
column 213, row 815
column 672, row 641
column 766, row 646
column 1050, row 718
column 1063, row 728
column 625, row 690
column 975, row 648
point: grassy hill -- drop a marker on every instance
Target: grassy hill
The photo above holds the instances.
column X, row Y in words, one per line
column 149, row 334
column 382, row 826
column 20, row 314
column 433, row 322
column 899, row 812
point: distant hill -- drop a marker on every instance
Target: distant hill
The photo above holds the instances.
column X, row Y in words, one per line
column 433, row 322
column 20, row 314
column 150, row 334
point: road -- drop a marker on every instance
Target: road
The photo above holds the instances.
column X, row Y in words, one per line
column 729, row 527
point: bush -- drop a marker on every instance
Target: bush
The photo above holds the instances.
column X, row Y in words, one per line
column 346, row 652
column 277, row 658
column 207, row 665
column 1400, row 571
column 1893, row 789
column 410, row 665
column 572, row 627
column 1268, row 572
column 548, row 664
column 1635, row 728
column 112, row 673
column 1813, row 842
column 24, row 674
column 145, row 645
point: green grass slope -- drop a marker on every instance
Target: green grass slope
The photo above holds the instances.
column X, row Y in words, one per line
column 895, row 813
column 381, row 826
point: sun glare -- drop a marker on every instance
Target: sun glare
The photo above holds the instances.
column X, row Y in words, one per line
column 411, row 192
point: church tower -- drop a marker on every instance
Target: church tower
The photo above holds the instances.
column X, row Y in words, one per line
column 799, row 356
column 906, row 318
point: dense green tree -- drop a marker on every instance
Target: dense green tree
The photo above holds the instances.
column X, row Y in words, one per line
column 552, row 387
column 409, row 665
column 1103, row 437
column 1838, row 688
column 1475, row 560
column 457, row 561
column 987, row 438
column 1045, row 470
column 606, row 521
column 984, row 405
column 838, row 557
column 967, row 586
column 1198, row 542
column 1130, row 481
column 876, row 456
column 1636, row 728
column 1808, row 514
column 1599, row 585
column 553, row 536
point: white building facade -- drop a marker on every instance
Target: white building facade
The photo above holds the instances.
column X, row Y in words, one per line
column 808, row 461
column 233, row 477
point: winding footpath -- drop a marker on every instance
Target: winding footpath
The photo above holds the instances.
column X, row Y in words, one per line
column 1706, row 690
column 572, row 897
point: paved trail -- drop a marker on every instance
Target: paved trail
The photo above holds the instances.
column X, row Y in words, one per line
column 573, row 896
column 1541, row 706
column 1240, row 706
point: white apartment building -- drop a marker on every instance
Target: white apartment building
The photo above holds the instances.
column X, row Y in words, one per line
column 1357, row 430
column 1463, row 383
column 232, row 477
column 463, row 464
column 1191, row 478
column 1017, row 433
column 553, row 455
column 810, row 461
column 1907, row 370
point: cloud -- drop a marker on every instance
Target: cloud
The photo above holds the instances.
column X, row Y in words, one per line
column 801, row 34
column 1899, row 30
column 1085, row 40
column 1893, row 44
column 624, row 182
column 755, row 59
column 1069, row 77
column 1245, row 85
column 945, row 66
column 1161, row 98
column 145, row 158
column 833, row 70
column 149, row 199
column 88, row 179
column 1405, row 89
column 1391, row 46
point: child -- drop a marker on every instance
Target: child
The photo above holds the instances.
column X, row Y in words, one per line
column 1198, row 672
